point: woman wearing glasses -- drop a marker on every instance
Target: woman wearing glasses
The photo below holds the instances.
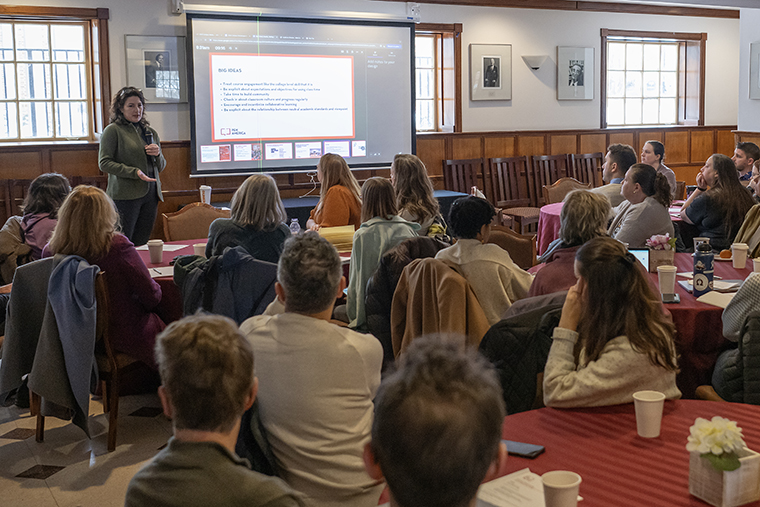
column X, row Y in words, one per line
column 130, row 153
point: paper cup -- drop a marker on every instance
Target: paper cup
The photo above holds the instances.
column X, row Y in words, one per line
column 666, row 276
column 756, row 265
column 205, row 191
column 648, row 406
column 561, row 488
column 156, row 250
column 739, row 255
column 199, row 249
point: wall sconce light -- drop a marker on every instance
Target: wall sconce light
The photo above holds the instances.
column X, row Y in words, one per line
column 535, row 62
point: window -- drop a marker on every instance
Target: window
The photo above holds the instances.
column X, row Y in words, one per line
column 437, row 76
column 652, row 79
column 51, row 75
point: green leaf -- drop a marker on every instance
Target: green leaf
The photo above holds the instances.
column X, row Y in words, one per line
column 727, row 462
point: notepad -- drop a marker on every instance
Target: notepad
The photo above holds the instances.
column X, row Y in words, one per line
column 341, row 237
column 720, row 299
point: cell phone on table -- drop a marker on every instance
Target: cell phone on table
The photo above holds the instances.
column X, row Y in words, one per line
column 523, row 450
column 671, row 298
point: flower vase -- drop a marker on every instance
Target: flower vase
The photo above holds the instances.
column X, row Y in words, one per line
column 725, row 489
column 660, row 258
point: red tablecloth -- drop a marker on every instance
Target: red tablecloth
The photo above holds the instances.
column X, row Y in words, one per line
column 618, row 467
column 548, row 225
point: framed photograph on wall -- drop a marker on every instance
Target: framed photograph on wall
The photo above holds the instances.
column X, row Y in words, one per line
column 754, row 70
column 575, row 73
column 157, row 66
column 490, row 72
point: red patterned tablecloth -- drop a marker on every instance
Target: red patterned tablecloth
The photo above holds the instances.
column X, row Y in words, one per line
column 618, row 467
column 548, row 225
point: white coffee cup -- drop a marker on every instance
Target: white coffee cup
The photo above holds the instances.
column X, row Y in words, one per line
column 205, row 194
column 666, row 276
column 199, row 249
column 561, row 488
column 756, row 265
column 156, row 250
column 648, row 405
column 739, row 255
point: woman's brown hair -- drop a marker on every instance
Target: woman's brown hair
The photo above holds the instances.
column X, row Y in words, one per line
column 414, row 190
column 652, row 183
column 730, row 197
column 257, row 203
column 378, row 199
column 618, row 301
column 117, row 104
column 335, row 171
column 87, row 222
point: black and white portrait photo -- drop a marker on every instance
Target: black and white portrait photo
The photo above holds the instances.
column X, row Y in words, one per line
column 156, row 63
column 575, row 75
column 491, row 74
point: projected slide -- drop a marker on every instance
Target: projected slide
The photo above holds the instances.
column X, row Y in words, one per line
column 281, row 96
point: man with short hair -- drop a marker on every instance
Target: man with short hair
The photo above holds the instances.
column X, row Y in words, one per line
column 437, row 429
column 206, row 368
column 317, row 380
column 744, row 157
column 618, row 159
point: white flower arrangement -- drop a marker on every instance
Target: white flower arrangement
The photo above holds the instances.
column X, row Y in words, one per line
column 717, row 441
column 662, row 242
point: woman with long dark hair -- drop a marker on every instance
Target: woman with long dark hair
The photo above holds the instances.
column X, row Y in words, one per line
column 46, row 194
column 414, row 194
column 615, row 321
column 130, row 152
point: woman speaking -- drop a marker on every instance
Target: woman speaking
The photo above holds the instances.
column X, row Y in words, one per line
column 131, row 155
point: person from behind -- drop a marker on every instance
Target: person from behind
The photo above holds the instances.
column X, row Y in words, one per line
column 615, row 319
column 414, row 194
column 46, row 194
column 381, row 230
column 652, row 154
column 496, row 279
column 317, row 380
column 437, row 429
column 257, row 221
column 644, row 212
column 618, row 159
column 339, row 197
column 583, row 217
column 717, row 212
column 207, row 383
column 745, row 156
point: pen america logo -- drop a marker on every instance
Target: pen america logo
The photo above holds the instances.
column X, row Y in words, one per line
column 231, row 132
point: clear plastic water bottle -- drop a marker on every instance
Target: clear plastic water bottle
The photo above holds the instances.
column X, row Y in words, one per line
column 703, row 270
column 295, row 227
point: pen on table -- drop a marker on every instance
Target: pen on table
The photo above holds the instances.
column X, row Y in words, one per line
column 157, row 271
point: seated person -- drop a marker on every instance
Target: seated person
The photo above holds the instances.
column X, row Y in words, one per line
column 644, row 213
column 437, row 428
column 257, row 221
column 625, row 340
column 583, row 217
column 207, row 379
column 493, row 275
column 318, row 380
column 618, row 159
column 653, row 154
column 414, row 194
column 381, row 230
column 745, row 156
column 46, row 194
column 754, row 182
column 339, row 197
column 717, row 213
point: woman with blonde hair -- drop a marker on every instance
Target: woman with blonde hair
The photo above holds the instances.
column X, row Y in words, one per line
column 257, row 221
column 87, row 227
column 414, row 193
column 615, row 320
column 381, row 230
column 340, row 196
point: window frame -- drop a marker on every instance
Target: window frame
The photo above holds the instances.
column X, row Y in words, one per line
column 97, row 68
column 688, row 113
column 439, row 30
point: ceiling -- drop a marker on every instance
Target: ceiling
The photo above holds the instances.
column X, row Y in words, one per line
column 702, row 3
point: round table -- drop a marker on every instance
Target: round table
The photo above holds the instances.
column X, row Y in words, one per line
column 617, row 466
column 548, row 225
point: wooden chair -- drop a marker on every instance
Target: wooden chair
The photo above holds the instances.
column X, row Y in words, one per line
column 557, row 191
column 100, row 181
column 587, row 167
column 510, row 183
column 520, row 248
column 461, row 175
column 191, row 222
column 546, row 170
column 680, row 190
column 15, row 193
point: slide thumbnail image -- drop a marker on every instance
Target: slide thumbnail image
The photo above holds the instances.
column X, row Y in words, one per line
column 278, row 151
column 216, row 153
column 247, row 152
column 358, row 148
column 308, row 150
column 341, row 148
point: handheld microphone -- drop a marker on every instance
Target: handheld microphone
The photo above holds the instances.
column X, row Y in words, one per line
column 151, row 158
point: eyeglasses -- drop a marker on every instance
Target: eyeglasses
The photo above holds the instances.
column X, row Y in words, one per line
column 127, row 90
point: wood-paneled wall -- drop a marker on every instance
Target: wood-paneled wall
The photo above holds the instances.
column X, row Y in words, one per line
column 686, row 149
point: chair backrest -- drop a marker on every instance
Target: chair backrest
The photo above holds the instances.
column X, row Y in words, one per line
column 587, row 167
column 15, row 193
column 557, row 191
column 102, row 322
column 680, row 190
column 461, row 175
column 100, row 181
column 521, row 249
column 510, row 182
column 191, row 222
column 546, row 170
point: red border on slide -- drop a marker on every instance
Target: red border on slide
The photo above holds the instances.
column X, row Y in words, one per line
column 228, row 140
